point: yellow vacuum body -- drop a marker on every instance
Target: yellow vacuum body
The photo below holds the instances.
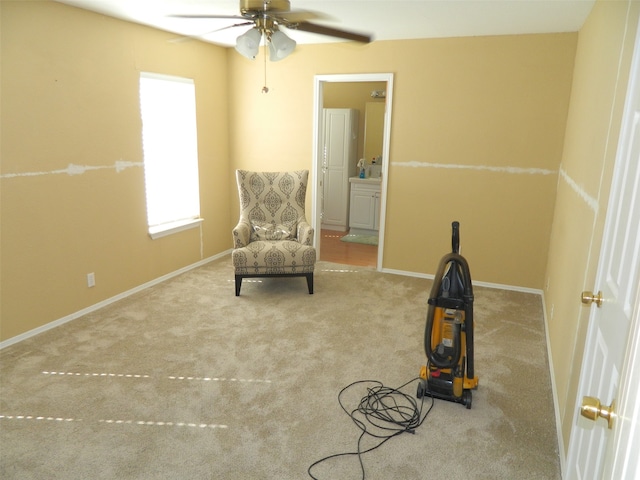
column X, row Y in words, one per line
column 449, row 372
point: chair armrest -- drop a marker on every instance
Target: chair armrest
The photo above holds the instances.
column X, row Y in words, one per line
column 241, row 234
column 305, row 234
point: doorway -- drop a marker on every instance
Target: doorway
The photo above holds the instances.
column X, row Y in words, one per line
column 330, row 238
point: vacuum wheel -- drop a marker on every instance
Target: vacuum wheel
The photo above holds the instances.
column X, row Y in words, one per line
column 421, row 389
column 466, row 398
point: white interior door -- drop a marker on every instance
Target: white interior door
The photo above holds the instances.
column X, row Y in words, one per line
column 337, row 148
column 606, row 373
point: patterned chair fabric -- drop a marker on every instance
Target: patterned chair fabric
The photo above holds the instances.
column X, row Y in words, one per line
column 272, row 237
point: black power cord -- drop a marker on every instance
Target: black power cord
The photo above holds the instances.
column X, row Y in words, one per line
column 382, row 413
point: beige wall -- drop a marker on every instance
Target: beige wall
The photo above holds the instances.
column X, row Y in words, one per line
column 70, row 96
column 494, row 106
column 603, row 60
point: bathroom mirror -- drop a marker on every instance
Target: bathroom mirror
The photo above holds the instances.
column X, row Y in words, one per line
column 373, row 130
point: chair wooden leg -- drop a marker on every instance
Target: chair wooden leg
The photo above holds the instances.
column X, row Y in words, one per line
column 310, row 282
column 238, row 284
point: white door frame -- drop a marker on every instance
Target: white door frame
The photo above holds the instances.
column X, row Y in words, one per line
column 316, row 191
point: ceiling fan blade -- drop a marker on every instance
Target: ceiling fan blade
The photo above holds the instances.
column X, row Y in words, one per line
column 333, row 32
column 243, row 24
column 185, row 38
column 298, row 16
column 292, row 16
column 224, row 17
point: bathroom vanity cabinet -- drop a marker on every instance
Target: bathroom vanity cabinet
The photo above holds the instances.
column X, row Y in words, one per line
column 364, row 202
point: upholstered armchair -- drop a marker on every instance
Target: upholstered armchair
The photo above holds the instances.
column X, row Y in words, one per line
column 272, row 237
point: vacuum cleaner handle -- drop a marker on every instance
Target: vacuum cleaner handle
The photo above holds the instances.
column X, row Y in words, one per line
column 455, row 237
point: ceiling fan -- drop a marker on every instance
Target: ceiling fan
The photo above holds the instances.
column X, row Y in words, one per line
column 267, row 16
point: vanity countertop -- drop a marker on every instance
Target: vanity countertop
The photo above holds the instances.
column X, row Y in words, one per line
column 370, row 180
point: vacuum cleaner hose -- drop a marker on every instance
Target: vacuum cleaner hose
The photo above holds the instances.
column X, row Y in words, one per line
column 441, row 356
column 451, row 290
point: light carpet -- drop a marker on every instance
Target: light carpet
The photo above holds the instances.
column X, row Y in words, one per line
column 186, row 381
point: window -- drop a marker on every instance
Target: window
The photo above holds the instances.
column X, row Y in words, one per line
column 170, row 146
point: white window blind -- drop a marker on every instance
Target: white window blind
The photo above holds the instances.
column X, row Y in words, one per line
column 170, row 145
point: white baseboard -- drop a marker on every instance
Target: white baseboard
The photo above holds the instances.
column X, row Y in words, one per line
column 475, row 283
column 554, row 390
column 108, row 301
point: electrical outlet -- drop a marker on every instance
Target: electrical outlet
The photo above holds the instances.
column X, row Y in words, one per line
column 91, row 279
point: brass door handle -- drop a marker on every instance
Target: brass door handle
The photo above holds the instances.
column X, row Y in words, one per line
column 588, row 298
column 592, row 409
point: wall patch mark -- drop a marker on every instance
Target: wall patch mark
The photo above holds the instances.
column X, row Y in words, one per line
column 591, row 202
column 73, row 169
column 512, row 170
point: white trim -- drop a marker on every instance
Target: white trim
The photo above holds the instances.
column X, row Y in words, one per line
column 475, row 283
column 408, row 274
column 513, row 288
column 319, row 80
column 165, row 229
column 168, row 78
column 554, row 391
column 108, row 301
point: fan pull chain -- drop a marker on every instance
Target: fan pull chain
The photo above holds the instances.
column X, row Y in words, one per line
column 265, row 89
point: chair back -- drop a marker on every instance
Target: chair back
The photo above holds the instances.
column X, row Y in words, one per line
column 275, row 198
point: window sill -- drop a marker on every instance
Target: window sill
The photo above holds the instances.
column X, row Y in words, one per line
column 174, row 227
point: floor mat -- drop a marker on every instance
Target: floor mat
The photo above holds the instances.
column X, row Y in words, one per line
column 365, row 239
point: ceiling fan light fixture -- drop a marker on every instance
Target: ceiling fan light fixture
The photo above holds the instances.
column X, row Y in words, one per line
column 280, row 46
column 248, row 44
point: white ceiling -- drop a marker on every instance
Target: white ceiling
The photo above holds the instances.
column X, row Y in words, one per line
column 384, row 20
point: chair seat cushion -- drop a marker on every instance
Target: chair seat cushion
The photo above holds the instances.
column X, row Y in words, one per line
column 274, row 257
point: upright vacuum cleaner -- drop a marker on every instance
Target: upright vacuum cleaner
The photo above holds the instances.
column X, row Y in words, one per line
column 448, row 337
